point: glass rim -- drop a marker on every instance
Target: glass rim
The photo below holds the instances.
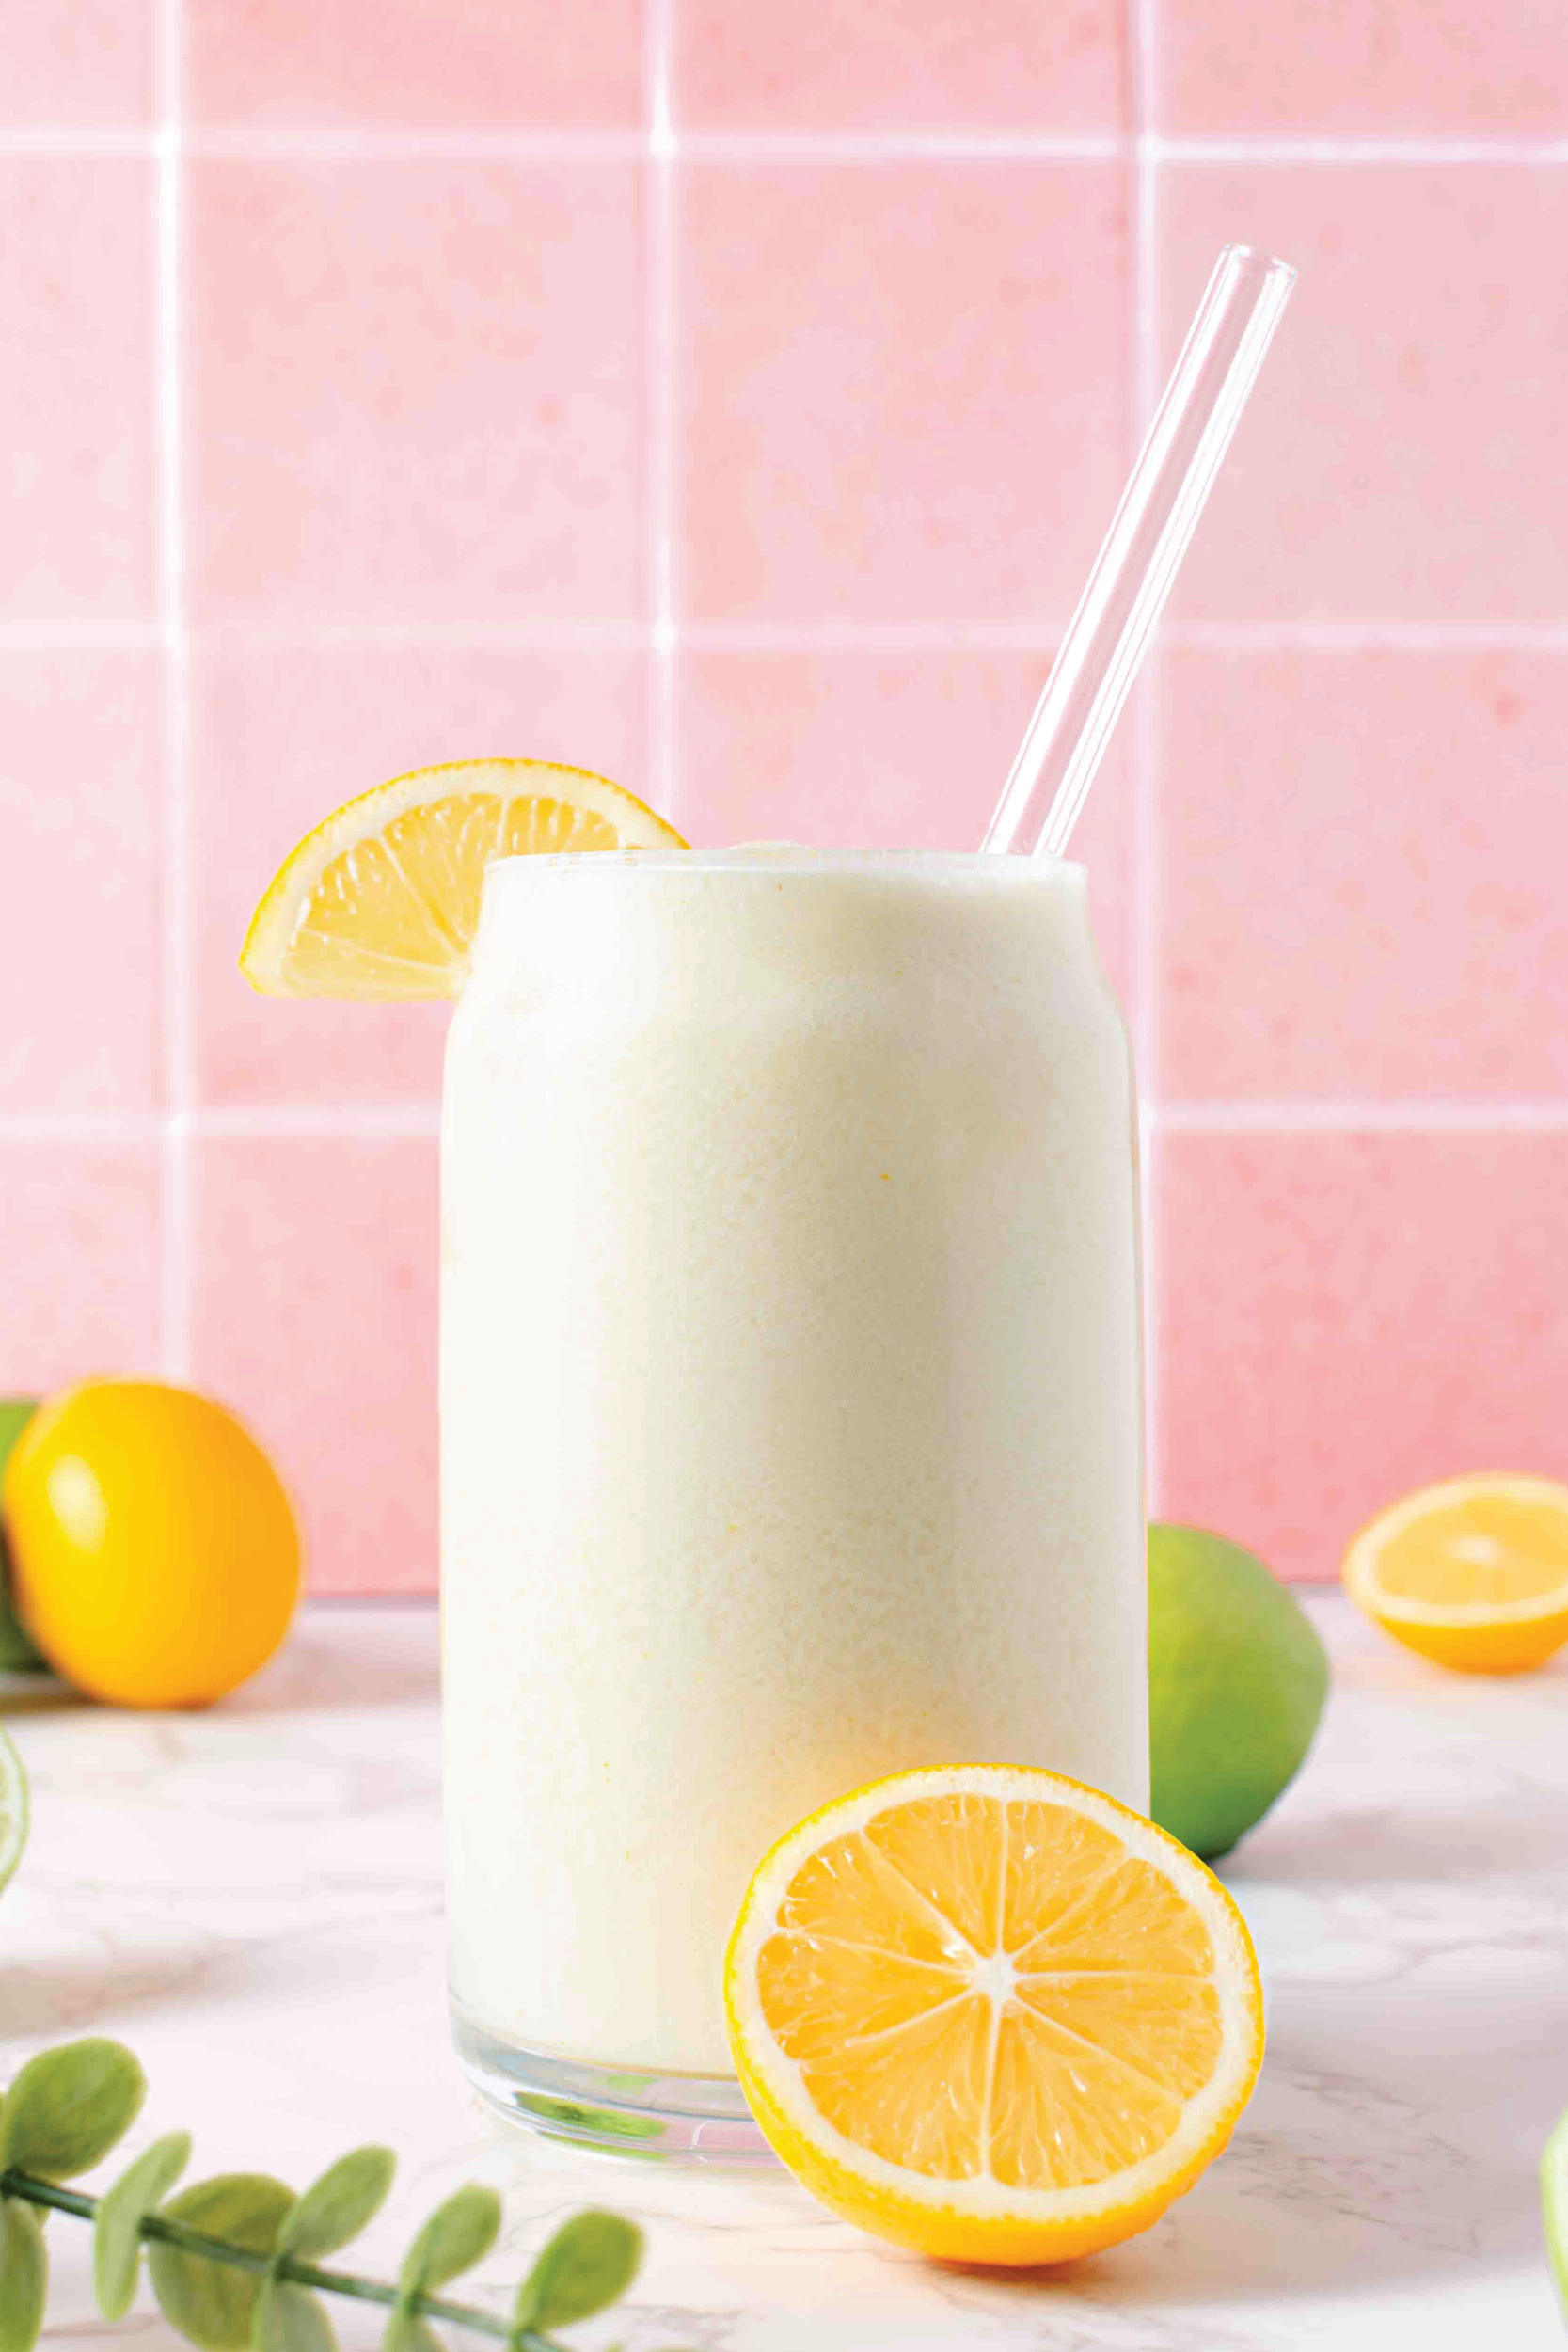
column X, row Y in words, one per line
column 754, row 859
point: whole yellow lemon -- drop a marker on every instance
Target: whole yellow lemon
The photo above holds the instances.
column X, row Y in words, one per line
column 154, row 1555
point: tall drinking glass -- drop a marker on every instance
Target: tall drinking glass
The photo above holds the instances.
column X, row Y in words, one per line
column 790, row 1413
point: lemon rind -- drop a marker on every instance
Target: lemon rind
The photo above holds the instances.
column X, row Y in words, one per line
column 263, row 958
column 1359, row 1569
column 1208, row 2118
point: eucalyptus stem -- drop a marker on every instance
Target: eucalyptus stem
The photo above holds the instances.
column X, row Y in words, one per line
column 217, row 2250
column 68, row 2106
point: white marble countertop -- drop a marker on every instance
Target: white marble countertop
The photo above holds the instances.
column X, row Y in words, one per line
column 251, row 1898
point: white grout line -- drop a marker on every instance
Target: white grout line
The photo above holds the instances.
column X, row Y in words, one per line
column 66, row 1126
column 936, row 636
column 1367, row 636
column 352, row 144
column 542, row 636
column 628, row 636
column 365, row 1123
column 370, row 1122
column 1145, row 392
column 177, row 994
column 1143, row 1009
column 756, row 146
column 1192, row 150
column 540, row 144
column 61, row 141
column 663, row 781
column 613, row 144
column 81, row 636
column 1385, row 1118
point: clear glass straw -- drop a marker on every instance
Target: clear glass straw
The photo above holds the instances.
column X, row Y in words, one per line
column 1099, row 659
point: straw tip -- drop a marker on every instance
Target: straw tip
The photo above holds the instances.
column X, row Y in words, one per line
column 1265, row 264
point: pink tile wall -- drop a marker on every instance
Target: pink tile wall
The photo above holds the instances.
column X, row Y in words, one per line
column 859, row 365
column 313, row 1306
column 1406, row 460
column 905, row 65
column 76, row 392
column 468, row 64
column 1343, row 1316
column 1379, row 68
column 391, row 417
column 732, row 398
column 78, row 62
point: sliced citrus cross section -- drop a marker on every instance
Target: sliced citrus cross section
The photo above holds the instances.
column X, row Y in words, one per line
column 382, row 898
column 1472, row 1572
column 13, row 1808
column 992, row 2014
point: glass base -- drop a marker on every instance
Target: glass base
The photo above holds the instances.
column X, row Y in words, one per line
column 658, row 2118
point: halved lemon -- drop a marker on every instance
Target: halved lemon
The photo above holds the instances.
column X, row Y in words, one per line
column 990, row 2014
column 382, row 900
column 1472, row 1572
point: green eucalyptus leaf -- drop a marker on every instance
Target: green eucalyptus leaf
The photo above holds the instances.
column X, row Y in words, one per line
column 290, row 2319
column 121, row 2210
column 68, row 2106
column 214, row 2306
column 458, row 2235
column 590, row 2263
column 266, row 2324
column 23, row 2276
column 344, row 2201
column 407, row 2332
column 334, row 2209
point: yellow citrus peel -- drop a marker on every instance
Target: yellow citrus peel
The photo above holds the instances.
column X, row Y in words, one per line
column 382, row 900
column 988, row 2013
column 1472, row 1572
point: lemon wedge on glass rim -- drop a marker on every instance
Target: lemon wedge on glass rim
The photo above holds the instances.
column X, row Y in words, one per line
column 988, row 2013
column 382, row 900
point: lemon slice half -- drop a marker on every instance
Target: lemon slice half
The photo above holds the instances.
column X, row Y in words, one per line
column 988, row 2013
column 382, row 900
column 1472, row 1572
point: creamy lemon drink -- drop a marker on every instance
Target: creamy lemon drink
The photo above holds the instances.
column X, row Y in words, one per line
column 789, row 1407
column 791, row 1445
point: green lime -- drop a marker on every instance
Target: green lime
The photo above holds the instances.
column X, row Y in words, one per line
column 16, row 1653
column 13, row 1808
column 1237, row 1680
column 1554, row 2207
